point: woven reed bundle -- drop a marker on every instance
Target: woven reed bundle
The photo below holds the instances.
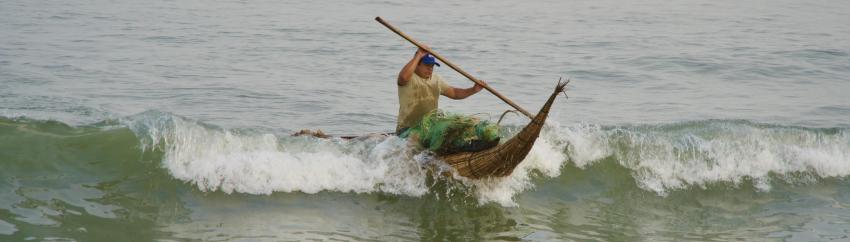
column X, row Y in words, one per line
column 501, row 160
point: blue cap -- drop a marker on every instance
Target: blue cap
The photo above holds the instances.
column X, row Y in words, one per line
column 430, row 59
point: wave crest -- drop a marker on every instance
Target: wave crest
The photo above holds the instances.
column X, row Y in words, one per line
column 255, row 163
column 677, row 156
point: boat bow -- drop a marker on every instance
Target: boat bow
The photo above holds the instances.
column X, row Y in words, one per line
column 501, row 160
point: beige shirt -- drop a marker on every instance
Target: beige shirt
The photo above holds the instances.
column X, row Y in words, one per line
column 418, row 97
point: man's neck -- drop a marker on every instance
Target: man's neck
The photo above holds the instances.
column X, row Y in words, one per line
column 423, row 76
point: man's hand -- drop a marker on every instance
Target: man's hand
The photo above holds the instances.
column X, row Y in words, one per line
column 410, row 67
column 478, row 87
column 422, row 51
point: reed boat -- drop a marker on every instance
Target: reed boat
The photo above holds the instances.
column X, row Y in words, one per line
column 501, row 160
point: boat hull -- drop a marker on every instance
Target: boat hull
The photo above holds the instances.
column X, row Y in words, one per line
column 501, row 160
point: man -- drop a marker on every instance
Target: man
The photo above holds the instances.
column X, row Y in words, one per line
column 419, row 89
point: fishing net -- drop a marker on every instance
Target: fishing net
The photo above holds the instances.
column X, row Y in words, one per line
column 447, row 133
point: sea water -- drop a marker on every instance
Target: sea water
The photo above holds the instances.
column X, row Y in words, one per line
column 171, row 120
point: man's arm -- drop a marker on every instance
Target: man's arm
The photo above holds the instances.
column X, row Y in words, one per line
column 407, row 71
column 461, row 93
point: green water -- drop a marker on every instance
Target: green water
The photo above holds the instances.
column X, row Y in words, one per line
column 96, row 183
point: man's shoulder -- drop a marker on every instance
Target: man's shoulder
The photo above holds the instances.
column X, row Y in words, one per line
column 440, row 80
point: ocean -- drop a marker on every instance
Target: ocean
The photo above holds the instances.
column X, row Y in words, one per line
column 684, row 120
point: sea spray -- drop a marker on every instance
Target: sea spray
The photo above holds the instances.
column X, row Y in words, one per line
column 214, row 159
column 583, row 143
column 661, row 158
column 668, row 157
column 546, row 158
column 260, row 163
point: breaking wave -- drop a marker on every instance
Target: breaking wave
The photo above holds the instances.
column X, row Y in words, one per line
column 669, row 157
column 660, row 158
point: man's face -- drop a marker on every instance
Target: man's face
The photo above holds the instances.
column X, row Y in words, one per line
column 424, row 70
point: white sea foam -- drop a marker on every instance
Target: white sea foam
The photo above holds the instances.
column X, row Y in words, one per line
column 219, row 159
column 215, row 159
column 587, row 143
column 666, row 157
column 546, row 158
column 662, row 158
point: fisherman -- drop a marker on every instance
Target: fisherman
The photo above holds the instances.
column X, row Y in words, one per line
column 419, row 89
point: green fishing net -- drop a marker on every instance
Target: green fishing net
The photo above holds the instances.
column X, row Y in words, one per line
column 447, row 133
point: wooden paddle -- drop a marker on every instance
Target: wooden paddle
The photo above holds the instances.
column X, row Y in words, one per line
column 456, row 68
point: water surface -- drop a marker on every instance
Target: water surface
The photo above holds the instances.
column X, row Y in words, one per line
column 170, row 121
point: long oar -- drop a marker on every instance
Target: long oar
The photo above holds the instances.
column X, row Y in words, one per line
column 453, row 66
